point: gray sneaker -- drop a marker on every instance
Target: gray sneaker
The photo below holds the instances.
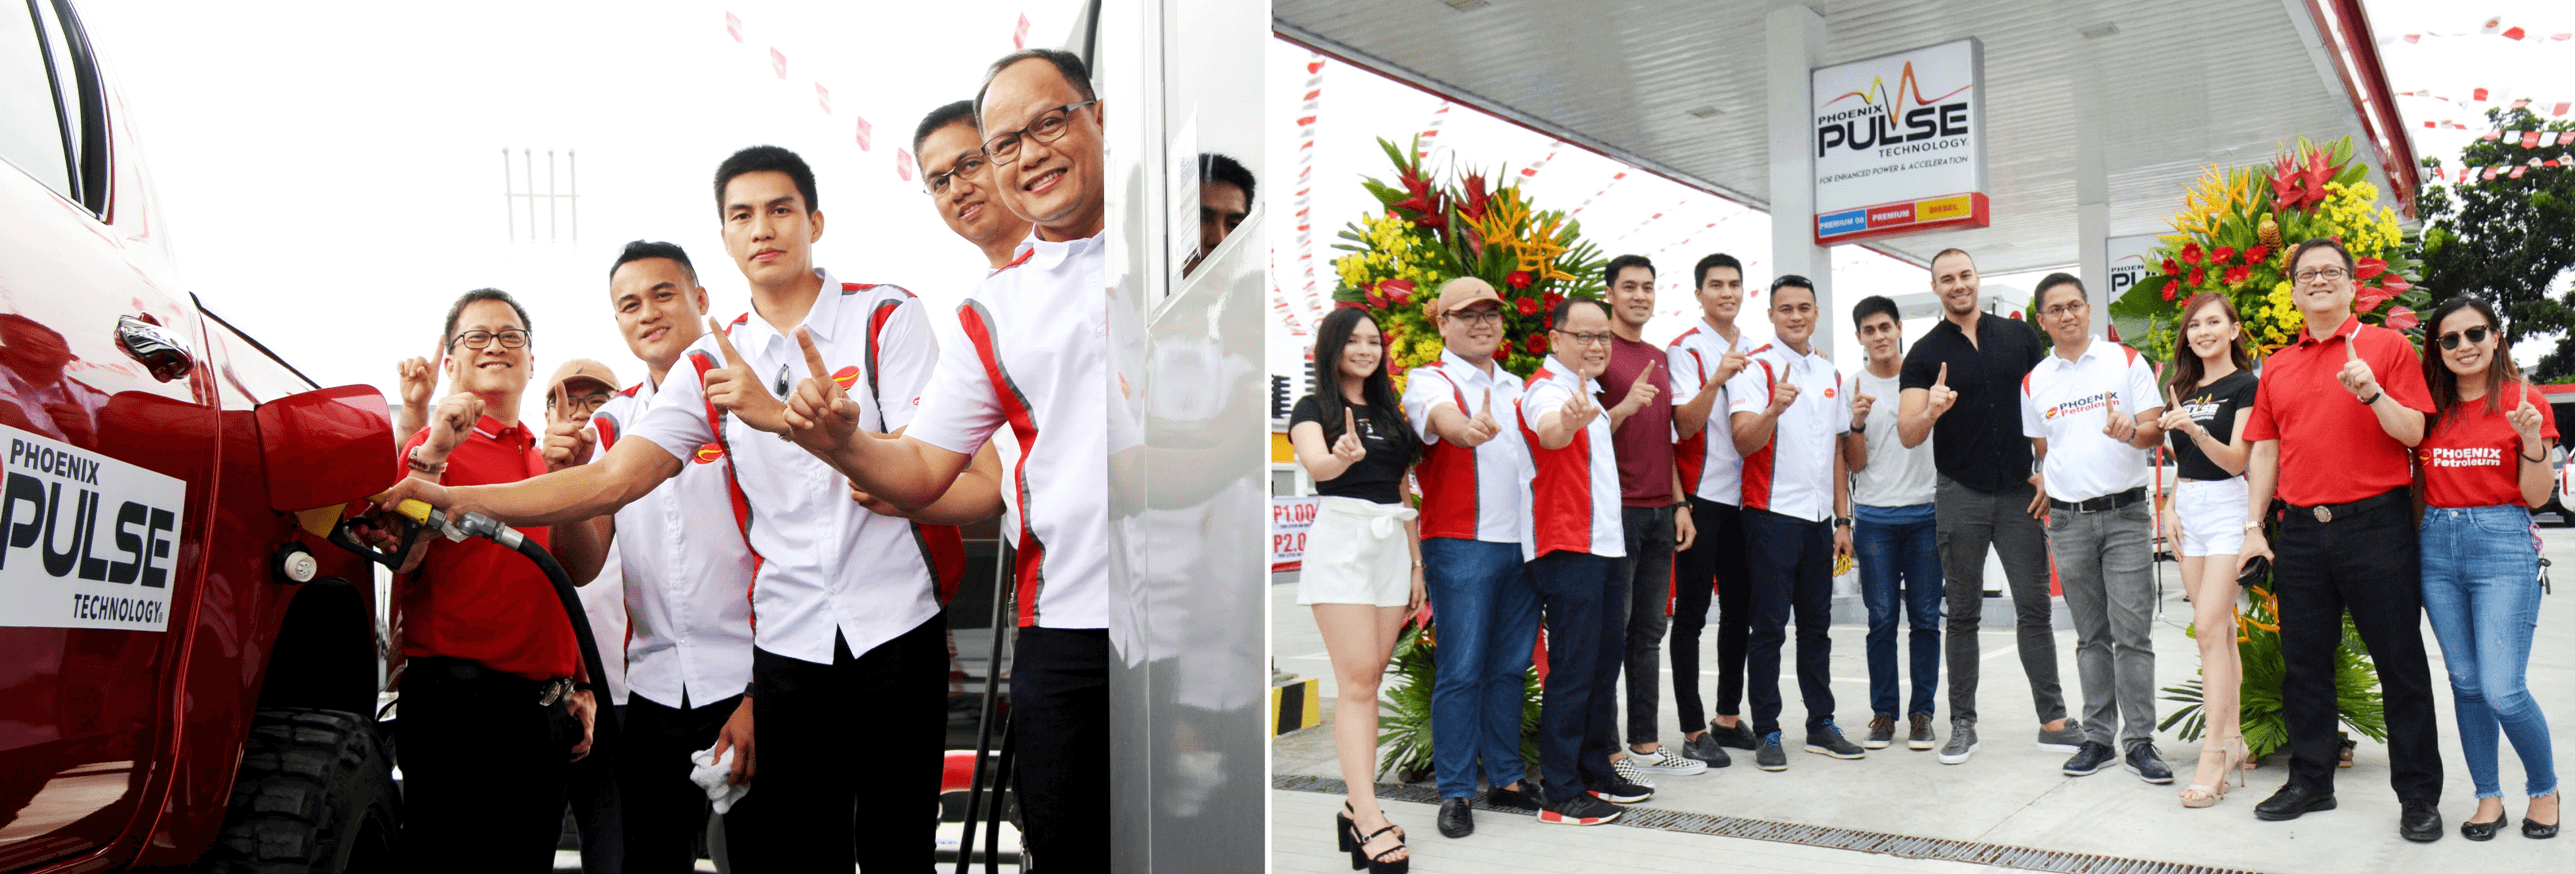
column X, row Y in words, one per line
column 1921, row 738
column 1962, row 743
column 2064, row 740
column 1827, row 740
column 1881, row 732
column 1706, row 749
column 1770, row 757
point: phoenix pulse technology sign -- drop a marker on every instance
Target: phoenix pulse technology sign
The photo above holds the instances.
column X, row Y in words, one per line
column 86, row 541
column 1900, row 143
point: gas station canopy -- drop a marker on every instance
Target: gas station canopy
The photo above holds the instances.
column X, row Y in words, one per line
column 2149, row 93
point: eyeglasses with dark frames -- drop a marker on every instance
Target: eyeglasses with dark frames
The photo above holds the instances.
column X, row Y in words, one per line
column 966, row 167
column 510, row 339
column 1048, row 127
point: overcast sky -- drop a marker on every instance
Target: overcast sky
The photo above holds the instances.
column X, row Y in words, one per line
column 332, row 172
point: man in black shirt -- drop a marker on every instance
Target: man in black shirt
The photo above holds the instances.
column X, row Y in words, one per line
column 1959, row 386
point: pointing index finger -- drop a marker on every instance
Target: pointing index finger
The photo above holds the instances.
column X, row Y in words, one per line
column 723, row 343
column 1942, row 380
column 1487, row 409
column 813, row 356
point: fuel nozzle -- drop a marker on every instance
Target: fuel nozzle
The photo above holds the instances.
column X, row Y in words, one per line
column 417, row 517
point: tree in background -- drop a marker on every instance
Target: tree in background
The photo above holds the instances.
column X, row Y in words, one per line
column 2511, row 237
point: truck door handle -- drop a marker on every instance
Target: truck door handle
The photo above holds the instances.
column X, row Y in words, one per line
column 160, row 351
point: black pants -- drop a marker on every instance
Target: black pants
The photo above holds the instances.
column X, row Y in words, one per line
column 1713, row 568
column 598, row 811
column 849, row 757
column 1059, row 724
column 483, row 769
column 1792, row 575
column 664, row 812
column 2371, row 563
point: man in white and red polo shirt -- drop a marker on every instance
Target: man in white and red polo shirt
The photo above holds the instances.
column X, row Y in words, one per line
column 1471, row 473
column 2090, row 411
column 1790, row 417
column 1703, row 359
column 1573, row 543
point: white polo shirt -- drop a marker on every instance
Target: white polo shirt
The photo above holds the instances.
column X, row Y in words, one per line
column 825, row 564
column 1033, row 374
column 603, row 603
column 1470, row 494
column 688, row 571
column 1710, row 466
column 1792, row 475
column 1573, row 492
column 2068, row 403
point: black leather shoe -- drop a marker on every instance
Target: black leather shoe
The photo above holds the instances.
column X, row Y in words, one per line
column 2089, row 759
column 2421, row 821
column 2535, row 831
column 2485, row 831
column 1740, row 737
column 1456, row 817
column 2291, row 802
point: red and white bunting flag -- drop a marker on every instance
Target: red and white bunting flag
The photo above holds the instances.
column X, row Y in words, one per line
column 1019, row 33
column 778, row 62
column 2491, row 136
column 1604, row 189
column 823, row 96
column 2517, row 171
column 2479, row 95
column 866, row 135
column 2515, row 33
column 733, row 25
column 1430, row 134
column 2413, row 38
column 2492, row 25
column 2490, row 172
column 2566, row 138
column 2531, row 140
column 903, row 164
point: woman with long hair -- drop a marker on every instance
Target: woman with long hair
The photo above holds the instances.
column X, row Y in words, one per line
column 2212, row 392
column 2484, row 463
column 1363, row 568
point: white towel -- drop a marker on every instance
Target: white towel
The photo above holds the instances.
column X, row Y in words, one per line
column 709, row 773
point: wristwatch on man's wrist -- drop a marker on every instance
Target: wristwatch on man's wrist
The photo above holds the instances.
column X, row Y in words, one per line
column 2252, row 525
column 1841, row 521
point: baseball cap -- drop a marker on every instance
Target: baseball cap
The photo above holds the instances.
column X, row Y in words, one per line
column 1465, row 291
column 582, row 369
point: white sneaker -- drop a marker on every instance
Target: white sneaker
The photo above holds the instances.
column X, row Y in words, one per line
column 1627, row 770
column 1662, row 761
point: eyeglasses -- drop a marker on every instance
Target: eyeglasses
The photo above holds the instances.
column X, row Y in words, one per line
column 2064, row 309
column 1049, row 127
column 1585, row 339
column 2327, row 274
column 2474, row 335
column 967, row 167
column 588, row 403
column 1476, row 317
column 510, row 339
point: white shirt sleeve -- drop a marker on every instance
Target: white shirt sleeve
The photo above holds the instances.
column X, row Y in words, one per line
column 1749, row 391
column 1689, row 374
column 958, row 411
column 2031, row 424
column 1841, row 404
column 2141, row 394
column 1540, row 398
column 1426, row 389
column 677, row 420
column 906, row 352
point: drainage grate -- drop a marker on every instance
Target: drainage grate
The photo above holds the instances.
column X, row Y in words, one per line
column 1903, row 846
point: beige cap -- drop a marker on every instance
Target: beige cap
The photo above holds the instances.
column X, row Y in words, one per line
column 582, row 369
column 1465, row 291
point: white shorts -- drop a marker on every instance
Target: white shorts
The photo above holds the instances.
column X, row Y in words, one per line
column 1356, row 554
column 2212, row 514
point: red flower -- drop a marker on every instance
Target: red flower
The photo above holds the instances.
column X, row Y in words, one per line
column 2368, row 268
column 2369, row 297
column 2199, row 277
column 2395, row 283
column 2169, row 288
column 1517, row 279
column 2238, row 274
column 2256, row 254
column 2402, row 319
column 1350, row 304
column 1395, row 368
column 2171, row 267
column 1476, row 198
column 2190, row 254
column 1554, row 299
column 1398, row 291
column 2221, row 255
column 1526, row 306
column 1537, row 344
column 1503, row 351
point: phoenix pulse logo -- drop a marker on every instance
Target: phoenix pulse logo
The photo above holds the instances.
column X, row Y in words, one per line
column 1885, row 122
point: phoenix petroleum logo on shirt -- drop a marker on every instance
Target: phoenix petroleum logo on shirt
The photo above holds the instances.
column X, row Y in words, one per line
column 845, row 377
column 2077, row 405
column 709, row 453
column 2465, row 456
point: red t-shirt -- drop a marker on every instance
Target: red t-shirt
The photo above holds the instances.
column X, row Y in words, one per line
column 2332, row 450
column 478, row 599
column 2472, row 458
column 1644, row 441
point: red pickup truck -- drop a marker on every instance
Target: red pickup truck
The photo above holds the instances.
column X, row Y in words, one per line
column 187, row 669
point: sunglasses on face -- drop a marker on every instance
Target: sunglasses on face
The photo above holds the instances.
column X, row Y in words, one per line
column 2474, row 335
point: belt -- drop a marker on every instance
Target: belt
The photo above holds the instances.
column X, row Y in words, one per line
column 445, row 669
column 2105, row 502
column 2329, row 512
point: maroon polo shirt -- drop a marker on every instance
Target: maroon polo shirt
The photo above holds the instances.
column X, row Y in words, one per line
column 2331, row 448
column 478, row 599
column 1644, row 441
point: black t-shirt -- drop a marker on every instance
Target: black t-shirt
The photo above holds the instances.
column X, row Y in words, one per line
column 1378, row 477
column 2215, row 407
column 1979, row 441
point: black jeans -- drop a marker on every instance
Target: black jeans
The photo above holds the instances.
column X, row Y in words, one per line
column 2371, row 563
column 1577, row 719
column 598, row 810
column 1059, row 725
column 848, row 752
column 1713, row 568
column 664, row 811
column 1645, row 576
column 1792, row 571
column 483, row 768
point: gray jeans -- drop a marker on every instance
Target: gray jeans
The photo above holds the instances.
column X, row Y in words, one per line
column 2105, row 562
column 1968, row 522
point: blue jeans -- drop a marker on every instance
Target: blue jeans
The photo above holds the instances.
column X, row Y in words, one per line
column 1583, row 648
column 2481, row 590
column 1486, row 614
column 1899, row 551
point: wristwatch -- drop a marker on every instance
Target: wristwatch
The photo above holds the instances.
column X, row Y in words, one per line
column 2252, row 525
column 1841, row 521
column 412, row 459
column 1859, row 427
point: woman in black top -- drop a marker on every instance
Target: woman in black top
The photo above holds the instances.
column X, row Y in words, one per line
column 2212, row 392
column 1362, row 572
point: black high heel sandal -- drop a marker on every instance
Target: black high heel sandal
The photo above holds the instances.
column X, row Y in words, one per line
column 1377, row 864
column 1343, row 826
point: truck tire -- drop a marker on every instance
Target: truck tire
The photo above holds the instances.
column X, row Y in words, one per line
column 315, row 794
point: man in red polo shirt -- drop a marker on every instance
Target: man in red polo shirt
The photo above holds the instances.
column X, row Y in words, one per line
column 2331, row 427
column 484, row 764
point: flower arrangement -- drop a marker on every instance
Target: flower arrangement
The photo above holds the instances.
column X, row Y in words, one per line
column 2234, row 234
column 1430, row 232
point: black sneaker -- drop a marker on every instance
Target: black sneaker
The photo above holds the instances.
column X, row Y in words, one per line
column 1881, row 732
column 1920, row 738
column 1705, row 748
column 1828, row 741
column 2089, row 759
column 1770, row 757
column 1582, row 809
column 2144, row 762
column 1740, row 737
column 1623, row 793
column 1524, row 797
